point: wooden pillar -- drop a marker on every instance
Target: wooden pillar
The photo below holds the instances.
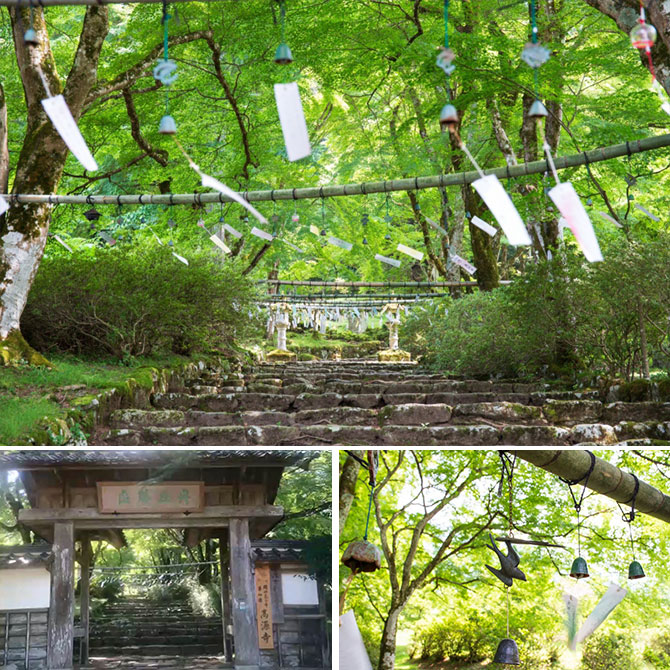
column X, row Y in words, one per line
column 84, row 595
column 245, row 632
column 61, row 610
column 226, row 613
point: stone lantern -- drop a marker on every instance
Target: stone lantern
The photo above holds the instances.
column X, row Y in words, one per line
column 394, row 352
column 281, row 323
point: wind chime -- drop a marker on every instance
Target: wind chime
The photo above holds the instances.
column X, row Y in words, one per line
column 643, row 37
column 635, row 570
column 507, row 652
column 166, row 72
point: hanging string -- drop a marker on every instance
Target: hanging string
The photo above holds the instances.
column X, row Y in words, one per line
column 578, row 503
column 446, row 24
column 629, row 517
column 164, row 21
column 282, row 13
column 507, row 592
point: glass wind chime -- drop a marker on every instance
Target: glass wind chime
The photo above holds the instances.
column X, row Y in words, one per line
column 166, row 72
column 488, row 187
column 563, row 195
column 643, row 37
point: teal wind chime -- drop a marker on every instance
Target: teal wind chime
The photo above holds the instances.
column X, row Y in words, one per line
column 166, row 72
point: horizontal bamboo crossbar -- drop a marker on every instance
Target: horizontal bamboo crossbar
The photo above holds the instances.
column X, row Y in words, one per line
column 365, row 188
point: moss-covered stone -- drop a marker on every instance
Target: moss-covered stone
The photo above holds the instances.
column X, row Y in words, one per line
column 281, row 356
column 393, row 355
column 636, row 391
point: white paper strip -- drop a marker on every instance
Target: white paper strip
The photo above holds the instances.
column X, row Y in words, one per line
column 210, row 182
column 389, row 261
column 498, row 201
column 571, row 606
column 235, row 233
column 467, row 266
column 353, row 655
column 292, row 119
column 314, row 229
column 60, row 241
column 615, row 594
column 486, row 227
column 262, row 234
column 4, row 205
column 59, row 113
column 337, row 242
column 644, row 210
column 437, row 226
column 293, row 246
column 611, row 219
column 220, row 243
column 410, row 252
column 158, row 239
column 570, row 206
column 180, row 258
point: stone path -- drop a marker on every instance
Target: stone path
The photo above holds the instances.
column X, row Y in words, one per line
column 141, row 629
column 361, row 403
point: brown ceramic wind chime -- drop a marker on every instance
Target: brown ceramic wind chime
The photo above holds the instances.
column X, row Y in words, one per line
column 362, row 555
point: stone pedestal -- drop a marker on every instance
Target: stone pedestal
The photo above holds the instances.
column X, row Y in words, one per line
column 393, row 356
column 281, row 321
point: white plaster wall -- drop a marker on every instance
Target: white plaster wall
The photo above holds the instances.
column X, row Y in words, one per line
column 298, row 588
column 25, row 588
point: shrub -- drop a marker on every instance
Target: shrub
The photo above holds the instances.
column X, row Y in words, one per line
column 137, row 301
column 609, row 651
column 657, row 652
column 108, row 587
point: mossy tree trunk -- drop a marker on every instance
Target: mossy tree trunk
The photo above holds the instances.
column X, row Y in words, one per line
column 24, row 228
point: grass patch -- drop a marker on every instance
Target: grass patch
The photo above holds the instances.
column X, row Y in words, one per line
column 27, row 394
column 403, row 662
column 19, row 414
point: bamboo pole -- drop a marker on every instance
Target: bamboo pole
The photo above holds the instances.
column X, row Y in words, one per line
column 365, row 188
column 605, row 479
column 375, row 284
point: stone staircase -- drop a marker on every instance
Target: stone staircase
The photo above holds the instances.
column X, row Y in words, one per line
column 361, row 402
column 137, row 631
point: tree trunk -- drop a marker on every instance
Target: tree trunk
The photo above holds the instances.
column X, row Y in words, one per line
column 348, row 479
column 387, row 647
column 23, row 233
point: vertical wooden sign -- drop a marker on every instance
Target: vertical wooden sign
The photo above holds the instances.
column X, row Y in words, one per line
column 264, row 607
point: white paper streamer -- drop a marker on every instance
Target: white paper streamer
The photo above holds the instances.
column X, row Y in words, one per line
column 60, row 115
column 611, row 219
column 410, row 252
column 220, row 243
column 210, row 182
column 4, row 205
column 571, row 606
column 180, row 258
column 262, row 234
column 498, row 201
column 644, row 210
column 486, row 227
column 570, row 206
column 437, row 226
column 158, row 239
column 235, row 233
column 615, row 594
column 292, row 120
column 293, row 246
column 353, row 655
column 60, row 241
column 314, row 229
column 467, row 266
column 337, row 242
column 389, row 261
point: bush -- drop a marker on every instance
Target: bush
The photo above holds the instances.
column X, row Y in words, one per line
column 137, row 301
column 657, row 652
column 609, row 651
column 563, row 318
column 108, row 587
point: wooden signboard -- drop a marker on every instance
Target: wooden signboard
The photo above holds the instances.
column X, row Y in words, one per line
column 135, row 498
column 264, row 607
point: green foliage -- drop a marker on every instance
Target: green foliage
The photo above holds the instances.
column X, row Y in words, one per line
column 609, row 651
column 657, row 653
column 107, row 587
column 137, row 301
column 561, row 319
column 19, row 414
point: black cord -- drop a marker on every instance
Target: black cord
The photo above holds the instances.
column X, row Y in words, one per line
column 629, row 517
column 585, row 479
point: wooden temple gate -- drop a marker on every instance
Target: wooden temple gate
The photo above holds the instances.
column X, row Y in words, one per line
column 79, row 497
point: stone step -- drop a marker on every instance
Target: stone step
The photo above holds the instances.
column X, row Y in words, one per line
column 158, row 650
column 98, row 662
column 169, row 638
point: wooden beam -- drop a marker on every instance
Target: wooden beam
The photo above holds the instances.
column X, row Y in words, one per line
column 85, row 516
column 245, row 633
column 388, row 186
column 226, row 613
column 606, row 479
column 84, row 594
column 61, row 610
